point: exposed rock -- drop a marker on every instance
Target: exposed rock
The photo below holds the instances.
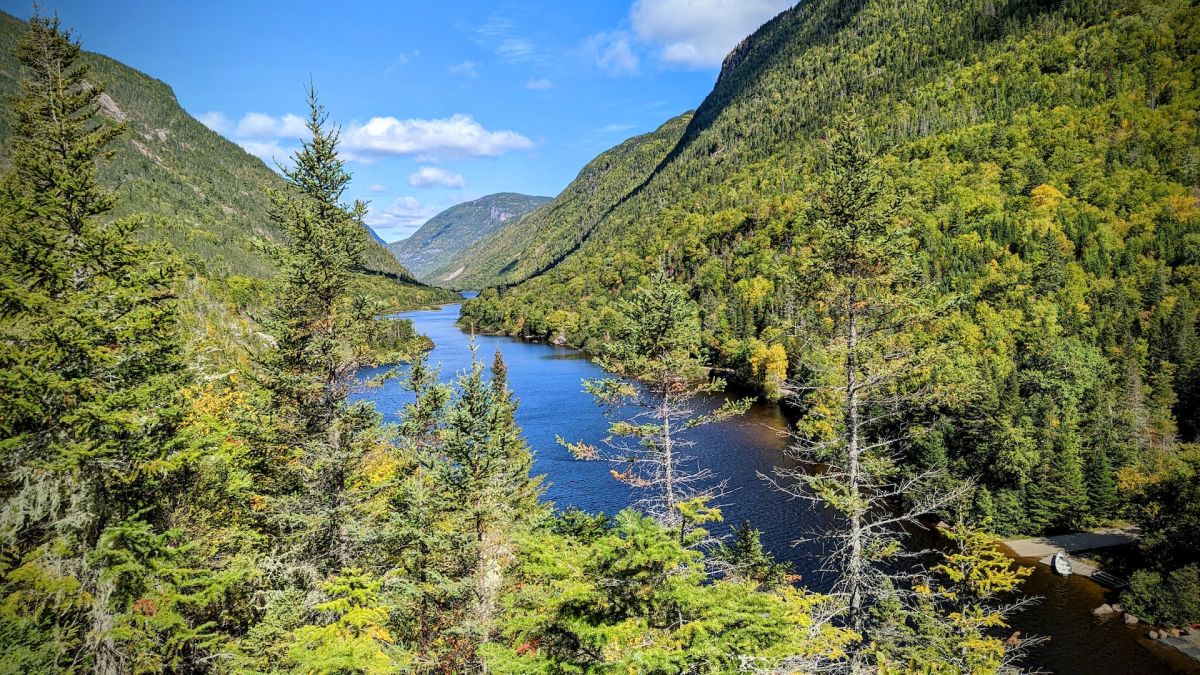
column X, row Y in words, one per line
column 1103, row 610
column 1130, row 619
column 1118, row 608
column 141, row 148
column 1153, row 635
column 559, row 340
column 1173, row 632
column 109, row 108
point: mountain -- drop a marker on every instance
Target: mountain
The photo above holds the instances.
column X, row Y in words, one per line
column 195, row 189
column 435, row 252
column 1047, row 162
column 523, row 248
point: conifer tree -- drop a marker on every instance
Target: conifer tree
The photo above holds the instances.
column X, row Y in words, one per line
column 656, row 351
column 422, row 540
column 322, row 337
column 960, row 608
column 486, row 473
column 864, row 343
column 465, row 494
column 89, row 373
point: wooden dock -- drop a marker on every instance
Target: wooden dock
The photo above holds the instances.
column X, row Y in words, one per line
column 1188, row 645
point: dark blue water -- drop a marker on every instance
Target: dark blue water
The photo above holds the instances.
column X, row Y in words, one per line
column 546, row 380
column 547, row 383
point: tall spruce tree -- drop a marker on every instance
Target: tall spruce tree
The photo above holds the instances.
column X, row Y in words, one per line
column 486, row 473
column 864, row 346
column 656, row 351
column 322, row 336
column 90, row 371
column 462, row 494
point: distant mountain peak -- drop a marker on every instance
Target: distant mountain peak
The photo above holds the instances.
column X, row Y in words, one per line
column 434, row 252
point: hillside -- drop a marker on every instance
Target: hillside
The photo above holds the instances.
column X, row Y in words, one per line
column 536, row 242
column 195, row 189
column 433, row 253
column 1046, row 156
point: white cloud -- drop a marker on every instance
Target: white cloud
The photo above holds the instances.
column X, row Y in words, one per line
column 515, row 49
column 257, row 134
column 377, row 188
column 612, row 128
column 400, row 218
column 499, row 34
column 270, row 152
column 541, row 84
column 613, row 52
column 217, row 121
column 699, row 33
column 455, row 136
column 260, row 125
column 402, row 59
column 432, row 176
column 465, row 69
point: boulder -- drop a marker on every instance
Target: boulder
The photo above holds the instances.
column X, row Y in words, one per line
column 1118, row 608
column 1130, row 619
column 1103, row 610
column 1173, row 632
column 1153, row 635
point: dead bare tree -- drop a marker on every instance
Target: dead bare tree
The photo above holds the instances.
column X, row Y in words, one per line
column 656, row 398
column 862, row 353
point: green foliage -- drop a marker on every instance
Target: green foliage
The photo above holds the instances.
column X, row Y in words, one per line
column 1172, row 599
column 635, row 599
column 953, row 625
column 748, row 561
column 446, row 241
column 322, row 337
column 656, row 348
column 91, row 379
column 1166, row 503
column 353, row 639
column 1044, row 156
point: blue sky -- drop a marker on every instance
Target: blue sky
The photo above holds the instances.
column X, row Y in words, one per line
column 440, row 102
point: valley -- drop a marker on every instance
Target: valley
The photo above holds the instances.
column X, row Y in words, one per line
column 837, row 322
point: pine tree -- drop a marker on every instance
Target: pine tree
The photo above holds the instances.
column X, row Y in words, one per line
column 867, row 316
column 657, row 347
column 486, row 473
column 90, row 368
column 322, row 338
column 960, row 606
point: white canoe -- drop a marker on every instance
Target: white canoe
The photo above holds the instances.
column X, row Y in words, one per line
column 1061, row 564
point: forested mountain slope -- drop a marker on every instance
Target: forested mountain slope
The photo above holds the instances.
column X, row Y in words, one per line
column 538, row 241
column 196, row 190
column 1045, row 156
column 433, row 252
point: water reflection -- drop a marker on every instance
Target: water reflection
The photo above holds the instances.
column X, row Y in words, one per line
column 546, row 380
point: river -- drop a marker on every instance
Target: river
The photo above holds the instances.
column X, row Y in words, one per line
column 546, row 381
